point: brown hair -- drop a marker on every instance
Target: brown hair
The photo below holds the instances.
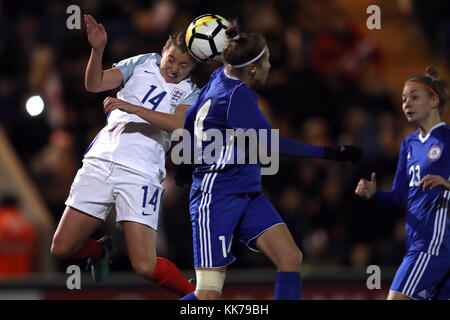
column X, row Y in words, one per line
column 177, row 39
column 440, row 87
column 242, row 47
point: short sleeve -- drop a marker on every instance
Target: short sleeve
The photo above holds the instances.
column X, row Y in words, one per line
column 191, row 98
column 127, row 66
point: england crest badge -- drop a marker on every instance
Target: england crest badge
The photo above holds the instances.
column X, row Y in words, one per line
column 176, row 96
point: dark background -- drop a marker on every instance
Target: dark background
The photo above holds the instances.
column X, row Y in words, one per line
column 333, row 81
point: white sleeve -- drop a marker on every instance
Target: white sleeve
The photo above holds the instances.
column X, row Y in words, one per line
column 127, row 66
column 191, row 98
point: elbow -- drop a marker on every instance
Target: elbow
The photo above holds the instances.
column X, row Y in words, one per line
column 91, row 88
column 88, row 87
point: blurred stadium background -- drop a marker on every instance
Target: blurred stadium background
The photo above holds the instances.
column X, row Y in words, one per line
column 333, row 81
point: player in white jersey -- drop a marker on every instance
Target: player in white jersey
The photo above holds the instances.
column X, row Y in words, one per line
column 125, row 164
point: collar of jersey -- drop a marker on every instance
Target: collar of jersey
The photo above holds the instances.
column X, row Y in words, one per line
column 423, row 139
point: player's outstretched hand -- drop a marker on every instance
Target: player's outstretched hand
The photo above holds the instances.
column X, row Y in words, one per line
column 432, row 181
column 110, row 104
column 96, row 33
column 366, row 189
column 343, row 153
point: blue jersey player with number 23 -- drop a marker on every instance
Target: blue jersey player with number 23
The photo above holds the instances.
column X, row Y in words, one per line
column 422, row 183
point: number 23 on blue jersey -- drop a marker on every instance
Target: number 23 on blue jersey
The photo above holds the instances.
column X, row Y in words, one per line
column 414, row 172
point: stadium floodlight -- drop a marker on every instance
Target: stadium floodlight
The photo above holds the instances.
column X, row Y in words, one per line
column 35, row 106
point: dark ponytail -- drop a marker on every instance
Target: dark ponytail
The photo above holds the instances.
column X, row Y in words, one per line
column 232, row 32
column 242, row 47
column 440, row 87
column 431, row 73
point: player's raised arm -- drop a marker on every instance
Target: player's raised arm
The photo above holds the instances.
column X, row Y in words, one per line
column 97, row 80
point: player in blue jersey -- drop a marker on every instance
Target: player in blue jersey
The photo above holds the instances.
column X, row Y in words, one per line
column 422, row 183
column 226, row 203
column 125, row 164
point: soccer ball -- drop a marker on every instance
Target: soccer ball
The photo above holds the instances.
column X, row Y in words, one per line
column 205, row 37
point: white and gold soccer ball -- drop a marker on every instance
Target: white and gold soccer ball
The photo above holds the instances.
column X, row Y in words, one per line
column 205, row 37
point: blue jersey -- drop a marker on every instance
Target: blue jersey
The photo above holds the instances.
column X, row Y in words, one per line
column 225, row 199
column 427, row 217
column 227, row 103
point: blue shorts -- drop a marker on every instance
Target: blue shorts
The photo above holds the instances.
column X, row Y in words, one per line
column 218, row 218
column 423, row 276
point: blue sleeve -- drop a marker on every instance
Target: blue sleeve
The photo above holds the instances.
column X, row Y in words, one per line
column 189, row 119
column 127, row 66
column 244, row 113
column 399, row 193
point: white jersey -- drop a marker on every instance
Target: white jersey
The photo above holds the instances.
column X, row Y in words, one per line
column 129, row 140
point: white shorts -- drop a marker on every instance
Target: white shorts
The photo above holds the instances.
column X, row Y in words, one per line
column 100, row 183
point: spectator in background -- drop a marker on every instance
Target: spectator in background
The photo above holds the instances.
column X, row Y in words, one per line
column 155, row 20
column 342, row 52
column 54, row 168
column 43, row 78
column 18, row 241
column 360, row 255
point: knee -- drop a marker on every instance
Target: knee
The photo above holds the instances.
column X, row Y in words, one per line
column 59, row 248
column 295, row 259
column 144, row 268
column 291, row 260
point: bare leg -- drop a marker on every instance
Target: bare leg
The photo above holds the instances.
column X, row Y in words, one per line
column 141, row 245
column 394, row 295
column 73, row 230
column 277, row 244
